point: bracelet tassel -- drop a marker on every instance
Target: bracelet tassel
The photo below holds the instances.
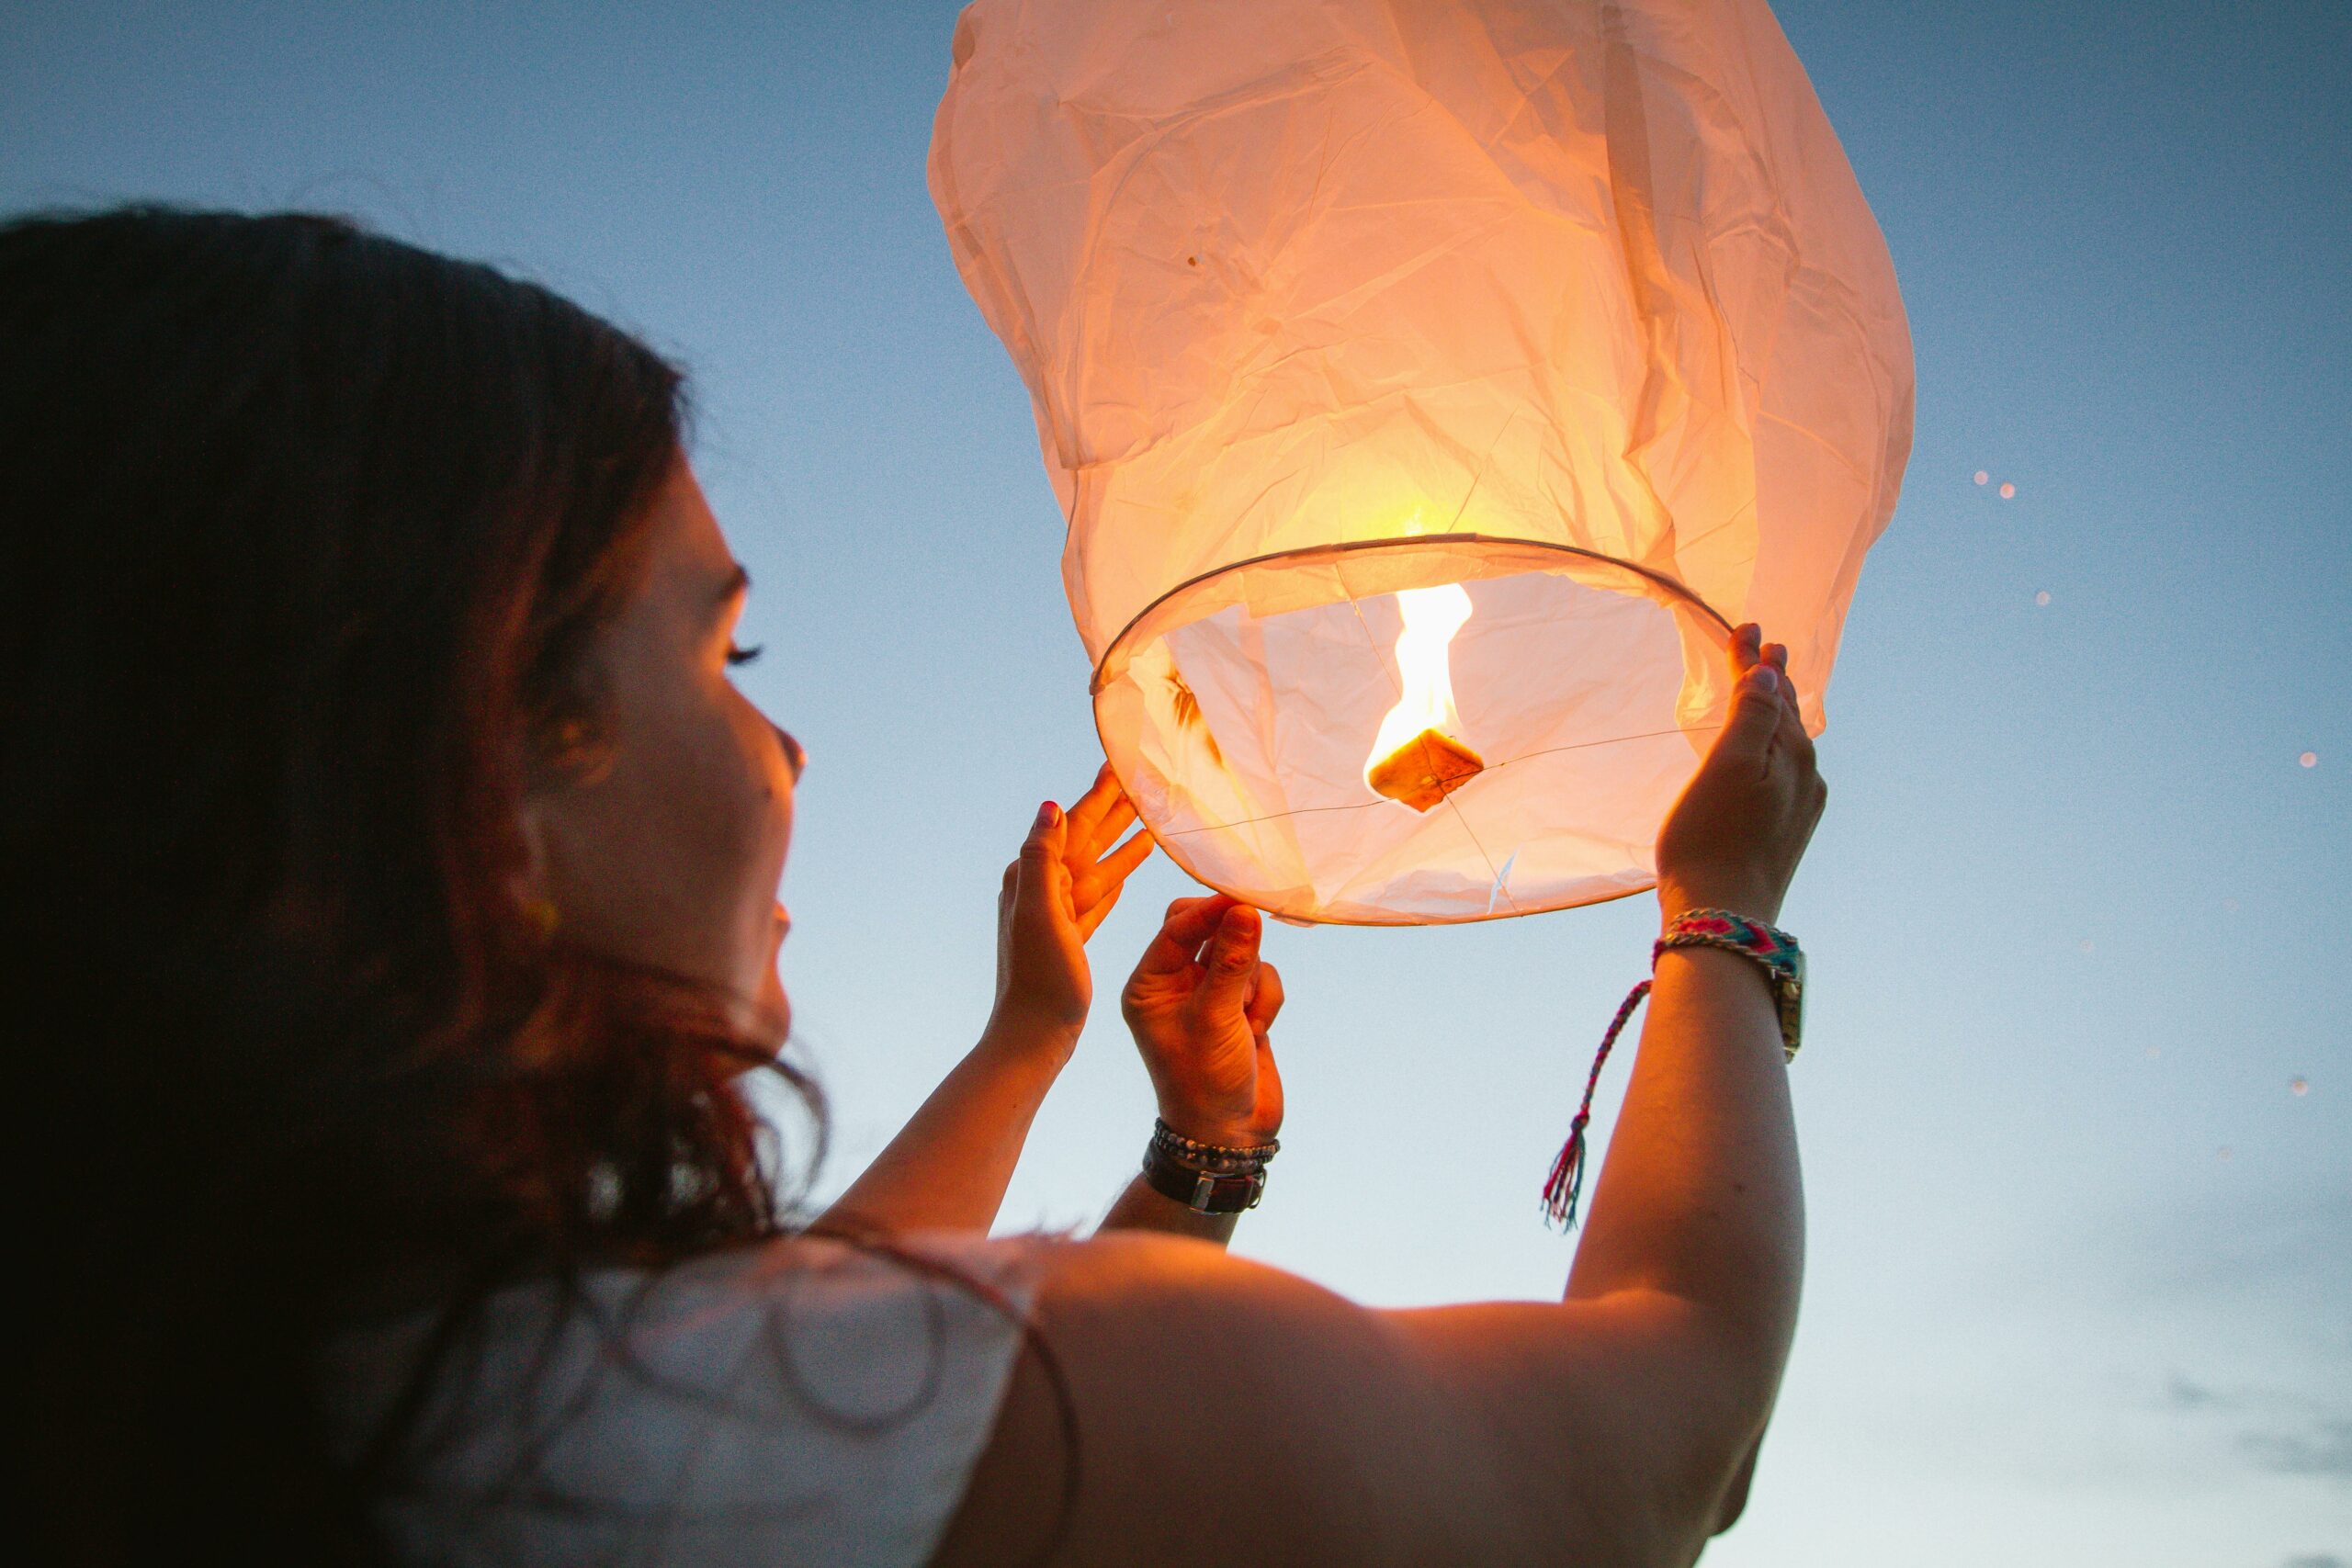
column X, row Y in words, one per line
column 1566, row 1182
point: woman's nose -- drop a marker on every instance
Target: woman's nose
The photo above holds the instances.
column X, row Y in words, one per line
column 795, row 756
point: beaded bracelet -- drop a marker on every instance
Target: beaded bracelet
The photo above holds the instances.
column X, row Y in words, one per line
column 1174, row 1142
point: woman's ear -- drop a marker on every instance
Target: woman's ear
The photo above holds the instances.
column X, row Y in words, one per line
column 573, row 753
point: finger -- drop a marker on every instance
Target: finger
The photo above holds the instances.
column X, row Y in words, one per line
column 1114, row 868
column 1098, row 890
column 1755, row 715
column 1788, row 687
column 1188, row 925
column 1265, row 999
column 1776, row 654
column 1088, row 808
column 1091, row 914
column 1041, row 889
column 1231, row 961
column 1110, row 825
column 1743, row 641
column 1047, row 831
column 1789, row 733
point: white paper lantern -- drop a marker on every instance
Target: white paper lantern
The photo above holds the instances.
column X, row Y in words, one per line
column 1558, row 333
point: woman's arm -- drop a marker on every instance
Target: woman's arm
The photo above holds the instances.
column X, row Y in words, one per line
column 1703, row 1162
column 1712, row 1206
column 1201, row 1004
column 1142, row 1207
column 1223, row 1403
column 948, row 1167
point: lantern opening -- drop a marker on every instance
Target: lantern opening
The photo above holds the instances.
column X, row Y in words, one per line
column 1239, row 708
column 1416, row 758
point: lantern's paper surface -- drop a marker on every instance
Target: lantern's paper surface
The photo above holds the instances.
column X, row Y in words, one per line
column 1576, row 305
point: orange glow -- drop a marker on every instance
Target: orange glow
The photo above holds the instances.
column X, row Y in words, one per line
column 1416, row 758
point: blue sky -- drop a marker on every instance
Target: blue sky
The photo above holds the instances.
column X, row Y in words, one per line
column 2075, row 916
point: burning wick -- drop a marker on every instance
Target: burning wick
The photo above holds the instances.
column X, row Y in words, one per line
column 1415, row 759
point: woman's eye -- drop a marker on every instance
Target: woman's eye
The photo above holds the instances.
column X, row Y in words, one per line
column 742, row 655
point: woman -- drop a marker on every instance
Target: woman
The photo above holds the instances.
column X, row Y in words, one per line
column 391, row 873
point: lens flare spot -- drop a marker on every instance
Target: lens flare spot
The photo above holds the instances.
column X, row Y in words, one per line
column 2008, row 493
column 2300, row 1087
column 1981, row 476
column 2308, row 759
column 2043, row 597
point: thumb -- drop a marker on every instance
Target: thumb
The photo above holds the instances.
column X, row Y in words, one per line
column 1755, row 714
column 1041, row 863
column 1231, row 962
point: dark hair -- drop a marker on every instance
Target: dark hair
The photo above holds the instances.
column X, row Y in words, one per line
column 303, row 534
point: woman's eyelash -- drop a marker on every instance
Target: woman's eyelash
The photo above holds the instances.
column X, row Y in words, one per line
column 744, row 655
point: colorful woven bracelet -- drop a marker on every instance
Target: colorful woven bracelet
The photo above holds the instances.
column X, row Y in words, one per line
column 1696, row 928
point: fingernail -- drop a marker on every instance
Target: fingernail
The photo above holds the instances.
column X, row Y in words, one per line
column 1046, row 813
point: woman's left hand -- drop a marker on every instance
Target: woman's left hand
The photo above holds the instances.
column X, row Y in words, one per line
column 1065, row 881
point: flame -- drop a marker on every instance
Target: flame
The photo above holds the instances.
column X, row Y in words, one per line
column 1416, row 758
column 1432, row 617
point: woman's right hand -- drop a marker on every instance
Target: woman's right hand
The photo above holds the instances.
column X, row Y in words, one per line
column 1200, row 1005
column 1733, row 838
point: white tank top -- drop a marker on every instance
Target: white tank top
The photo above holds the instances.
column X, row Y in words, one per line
column 803, row 1402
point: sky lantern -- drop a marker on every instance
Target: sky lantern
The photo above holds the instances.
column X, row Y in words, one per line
column 1428, row 386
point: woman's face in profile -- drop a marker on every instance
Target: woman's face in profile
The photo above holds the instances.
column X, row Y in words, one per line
column 670, row 851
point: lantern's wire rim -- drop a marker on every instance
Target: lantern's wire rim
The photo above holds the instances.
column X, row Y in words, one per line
column 1405, row 921
column 1407, row 541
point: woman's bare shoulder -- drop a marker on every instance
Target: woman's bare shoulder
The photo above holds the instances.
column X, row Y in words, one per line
column 1221, row 1405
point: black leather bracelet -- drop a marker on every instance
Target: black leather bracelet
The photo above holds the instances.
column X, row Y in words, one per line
column 1202, row 1192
